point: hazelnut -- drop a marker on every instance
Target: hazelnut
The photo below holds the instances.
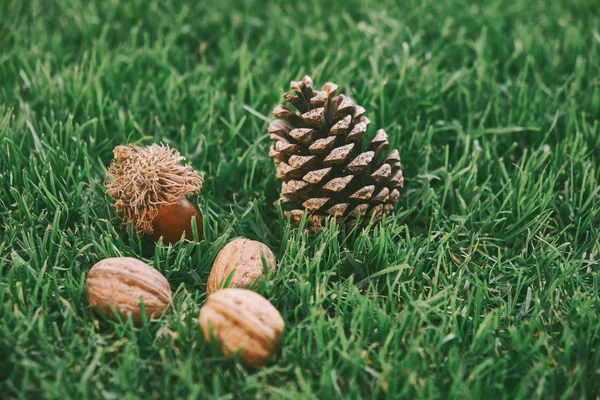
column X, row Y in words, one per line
column 115, row 286
column 174, row 221
column 150, row 187
column 242, row 258
column 242, row 320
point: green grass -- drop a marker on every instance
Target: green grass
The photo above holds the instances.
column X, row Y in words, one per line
column 484, row 282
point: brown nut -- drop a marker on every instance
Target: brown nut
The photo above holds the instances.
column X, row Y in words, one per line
column 174, row 221
column 149, row 186
column 242, row 320
column 120, row 283
column 243, row 258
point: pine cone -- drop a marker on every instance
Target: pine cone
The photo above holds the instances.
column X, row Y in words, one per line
column 326, row 165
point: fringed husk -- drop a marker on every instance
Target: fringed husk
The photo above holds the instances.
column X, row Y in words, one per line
column 141, row 180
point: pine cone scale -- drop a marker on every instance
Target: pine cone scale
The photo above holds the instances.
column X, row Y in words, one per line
column 338, row 155
column 316, row 176
column 322, row 146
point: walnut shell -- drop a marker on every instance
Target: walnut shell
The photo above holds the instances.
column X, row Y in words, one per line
column 121, row 282
column 242, row 320
column 243, row 258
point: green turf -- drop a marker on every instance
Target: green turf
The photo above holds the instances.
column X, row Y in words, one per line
column 483, row 283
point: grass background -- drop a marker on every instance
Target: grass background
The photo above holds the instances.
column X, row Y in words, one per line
column 484, row 282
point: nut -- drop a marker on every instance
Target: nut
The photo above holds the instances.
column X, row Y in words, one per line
column 243, row 257
column 119, row 283
column 175, row 220
column 242, row 320
column 142, row 181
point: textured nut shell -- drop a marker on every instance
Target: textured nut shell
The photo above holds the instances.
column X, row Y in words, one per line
column 243, row 320
column 121, row 282
column 244, row 257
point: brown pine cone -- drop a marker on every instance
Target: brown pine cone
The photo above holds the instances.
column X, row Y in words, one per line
column 326, row 166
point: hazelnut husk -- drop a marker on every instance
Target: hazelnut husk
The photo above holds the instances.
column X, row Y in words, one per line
column 240, row 264
column 242, row 321
column 115, row 287
column 150, row 187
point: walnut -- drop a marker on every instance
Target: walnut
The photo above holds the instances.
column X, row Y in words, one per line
column 242, row 257
column 242, row 320
column 121, row 283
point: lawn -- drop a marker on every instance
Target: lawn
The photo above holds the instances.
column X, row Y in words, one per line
column 483, row 283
